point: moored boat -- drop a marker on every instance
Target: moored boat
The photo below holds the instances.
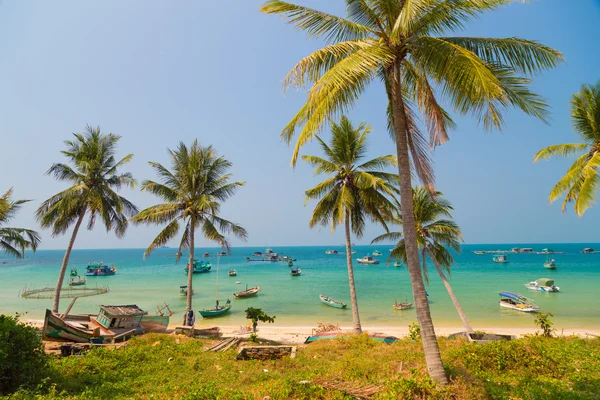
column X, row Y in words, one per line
column 257, row 254
column 74, row 271
column 550, row 264
column 295, row 271
column 588, row 250
column 367, row 260
column 397, row 264
column 517, row 302
column 248, row 292
column 99, row 269
column 77, row 282
column 183, row 290
column 221, row 254
column 502, row 259
column 232, row 272
column 200, row 267
column 377, row 253
column 217, row 311
column 401, row 306
column 331, row 302
column 206, row 254
column 330, row 252
column 543, row 285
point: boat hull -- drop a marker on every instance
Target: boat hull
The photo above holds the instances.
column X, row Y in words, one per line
column 519, row 308
column 330, row 303
column 155, row 323
column 247, row 293
column 57, row 330
column 215, row 313
column 338, row 335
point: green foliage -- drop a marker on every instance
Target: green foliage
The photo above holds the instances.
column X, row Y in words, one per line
column 257, row 314
column 23, row 363
column 253, row 337
column 15, row 241
column 544, row 321
column 414, row 331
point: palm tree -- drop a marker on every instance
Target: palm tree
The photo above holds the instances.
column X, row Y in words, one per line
column 192, row 191
column 436, row 232
column 15, row 241
column 580, row 183
column 93, row 173
column 356, row 191
column 400, row 43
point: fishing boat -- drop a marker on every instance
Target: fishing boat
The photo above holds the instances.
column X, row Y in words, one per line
column 502, row 259
column 379, row 337
column 257, row 254
column 517, row 302
column 480, row 253
column 268, row 250
column 550, row 264
column 331, row 302
column 397, row 264
column 222, row 254
column 588, row 250
column 248, row 292
column 200, row 267
column 78, row 282
column 232, row 272
column 331, row 252
column 295, row 271
column 74, row 271
column 206, row 254
column 367, row 260
column 183, row 290
column 401, row 306
column 543, row 285
column 219, row 309
column 377, row 253
column 100, row 269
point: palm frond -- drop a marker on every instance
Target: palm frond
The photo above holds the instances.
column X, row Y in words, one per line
column 560, row 150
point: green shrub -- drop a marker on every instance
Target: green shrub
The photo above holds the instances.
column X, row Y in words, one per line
column 23, row 362
column 544, row 321
column 414, row 331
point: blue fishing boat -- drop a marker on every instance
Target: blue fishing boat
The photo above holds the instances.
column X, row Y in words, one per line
column 200, row 267
column 99, row 269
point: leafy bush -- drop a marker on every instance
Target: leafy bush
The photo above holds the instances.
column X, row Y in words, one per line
column 257, row 314
column 414, row 331
column 23, row 362
column 544, row 321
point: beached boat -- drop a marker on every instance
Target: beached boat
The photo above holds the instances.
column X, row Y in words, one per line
column 588, row 250
column 331, row 302
column 248, row 292
column 100, row 269
column 550, row 264
column 401, row 306
column 112, row 323
column 77, row 282
column 217, row 311
column 200, row 267
column 397, row 264
column 377, row 253
column 367, row 260
column 232, row 272
column 543, row 285
column 295, row 271
column 502, row 259
column 379, row 337
column 517, row 302
column 331, row 252
column 157, row 323
column 183, row 290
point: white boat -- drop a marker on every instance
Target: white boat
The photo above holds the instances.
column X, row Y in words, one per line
column 377, row 253
column 367, row 260
column 588, row 250
column 480, row 253
column 543, row 285
column 330, row 252
column 268, row 250
column 503, row 259
column 517, row 302
column 397, row 264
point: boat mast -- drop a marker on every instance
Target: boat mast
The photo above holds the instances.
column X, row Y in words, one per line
column 217, row 294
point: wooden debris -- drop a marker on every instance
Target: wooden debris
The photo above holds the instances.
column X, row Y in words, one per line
column 358, row 390
column 266, row 352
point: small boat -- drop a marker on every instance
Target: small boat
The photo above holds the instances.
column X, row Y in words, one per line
column 268, row 250
column 232, row 272
column 543, row 285
column 217, row 311
column 588, row 250
column 183, row 290
column 397, row 264
column 480, row 253
column 502, row 259
column 330, row 252
column 221, row 254
column 295, row 271
column 401, row 306
column 517, row 302
column 290, row 263
column 206, row 254
column 257, row 254
column 377, row 253
column 367, row 260
column 237, row 282
column 248, row 292
column 200, row 267
column 379, row 337
column 550, row 264
column 157, row 323
column 331, row 302
column 74, row 271
column 100, row 269
column 78, row 282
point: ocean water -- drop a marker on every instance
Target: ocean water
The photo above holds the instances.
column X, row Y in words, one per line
column 476, row 280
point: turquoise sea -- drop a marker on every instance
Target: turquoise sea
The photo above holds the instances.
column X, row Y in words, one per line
column 476, row 280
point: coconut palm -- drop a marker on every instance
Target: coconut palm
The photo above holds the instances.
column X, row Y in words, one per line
column 15, row 241
column 356, row 190
column 192, row 191
column 400, row 42
column 93, row 173
column 436, row 232
column 580, row 183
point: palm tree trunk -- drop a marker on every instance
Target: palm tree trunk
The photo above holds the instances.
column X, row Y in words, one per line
column 431, row 349
column 188, row 303
column 355, row 316
column 63, row 267
column 459, row 309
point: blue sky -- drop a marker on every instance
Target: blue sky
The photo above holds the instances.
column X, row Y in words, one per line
column 160, row 72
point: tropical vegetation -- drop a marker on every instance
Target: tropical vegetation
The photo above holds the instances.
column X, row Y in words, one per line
column 192, row 191
column 356, row 191
column 403, row 44
column 580, row 184
column 14, row 241
column 436, row 234
column 93, row 173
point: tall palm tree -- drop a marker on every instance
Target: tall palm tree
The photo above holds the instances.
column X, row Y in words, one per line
column 436, row 232
column 580, row 183
column 400, row 43
column 92, row 171
column 192, row 191
column 356, row 190
column 15, row 241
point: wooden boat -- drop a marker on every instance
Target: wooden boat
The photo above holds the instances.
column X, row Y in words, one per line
column 401, row 306
column 379, row 337
column 74, row 271
column 112, row 323
column 331, row 302
column 517, row 302
column 206, row 254
column 550, row 264
column 183, row 290
column 397, row 264
column 248, row 292
column 221, row 254
column 217, row 311
column 295, row 271
column 78, row 282
column 290, row 263
column 331, row 252
column 232, row 272
column 100, row 269
column 257, row 254
column 200, row 267
column 377, row 253
column 157, row 323
column 502, row 259
column 543, row 285
column 480, row 253
column 367, row 260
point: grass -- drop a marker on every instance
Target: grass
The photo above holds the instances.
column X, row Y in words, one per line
column 162, row 366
